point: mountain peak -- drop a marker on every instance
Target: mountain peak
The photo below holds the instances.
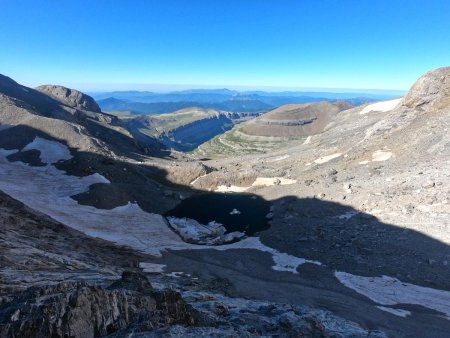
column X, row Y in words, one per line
column 70, row 97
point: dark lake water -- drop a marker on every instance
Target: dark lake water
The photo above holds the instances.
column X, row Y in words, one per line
column 219, row 207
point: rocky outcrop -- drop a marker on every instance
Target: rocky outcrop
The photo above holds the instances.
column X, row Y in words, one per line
column 431, row 92
column 76, row 309
column 70, row 97
column 212, row 233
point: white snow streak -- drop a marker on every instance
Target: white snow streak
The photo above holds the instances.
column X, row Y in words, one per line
column 386, row 290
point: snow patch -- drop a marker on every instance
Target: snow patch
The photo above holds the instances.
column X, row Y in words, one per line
column 283, row 261
column 197, row 179
column 259, row 182
column 379, row 156
column 51, row 151
column 325, row 159
column 5, row 152
column 269, row 181
column 152, row 267
column 307, row 141
column 397, row 312
column 231, row 188
column 386, row 290
column 383, row 106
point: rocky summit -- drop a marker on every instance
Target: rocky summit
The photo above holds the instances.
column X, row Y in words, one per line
column 431, row 92
column 312, row 220
column 71, row 97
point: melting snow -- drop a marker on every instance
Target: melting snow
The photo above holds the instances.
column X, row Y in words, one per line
column 231, row 188
column 383, row 106
column 259, row 182
column 51, row 151
column 379, row 156
column 397, row 312
column 327, row 158
column 283, row 261
column 386, row 290
column 307, row 141
column 152, row 267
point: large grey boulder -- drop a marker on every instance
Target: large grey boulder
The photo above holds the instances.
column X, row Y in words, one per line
column 431, row 92
column 70, row 97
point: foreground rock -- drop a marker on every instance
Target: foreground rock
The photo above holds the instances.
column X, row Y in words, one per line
column 82, row 310
column 130, row 306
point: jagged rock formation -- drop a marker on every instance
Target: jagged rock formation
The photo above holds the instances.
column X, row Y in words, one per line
column 431, row 92
column 82, row 310
column 71, row 97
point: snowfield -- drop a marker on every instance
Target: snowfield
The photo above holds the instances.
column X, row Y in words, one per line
column 386, row 290
column 383, row 106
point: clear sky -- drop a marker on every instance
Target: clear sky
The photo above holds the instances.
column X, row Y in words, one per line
column 139, row 44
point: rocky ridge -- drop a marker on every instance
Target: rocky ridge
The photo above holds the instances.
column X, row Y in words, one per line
column 71, row 97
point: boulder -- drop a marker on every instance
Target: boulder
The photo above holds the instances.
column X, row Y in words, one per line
column 431, row 92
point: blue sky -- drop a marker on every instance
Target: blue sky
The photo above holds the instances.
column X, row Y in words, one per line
column 146, row 44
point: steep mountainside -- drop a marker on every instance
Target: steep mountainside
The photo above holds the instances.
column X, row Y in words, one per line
column 281, row 127
column 295, row 120
column 183, row 130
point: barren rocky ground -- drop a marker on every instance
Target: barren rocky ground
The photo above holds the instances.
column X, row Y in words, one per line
column 358, row 243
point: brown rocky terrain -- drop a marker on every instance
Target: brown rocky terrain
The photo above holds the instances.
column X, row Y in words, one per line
column 295, row 120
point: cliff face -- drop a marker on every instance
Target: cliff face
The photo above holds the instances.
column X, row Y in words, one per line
column 186, row 129
column 190, row 136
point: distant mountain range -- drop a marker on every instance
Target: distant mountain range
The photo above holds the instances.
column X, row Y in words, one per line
column 145, row 102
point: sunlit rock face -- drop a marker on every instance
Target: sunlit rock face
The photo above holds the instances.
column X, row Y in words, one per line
column 295, row 120
column 71, row 97
column 431, row 92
